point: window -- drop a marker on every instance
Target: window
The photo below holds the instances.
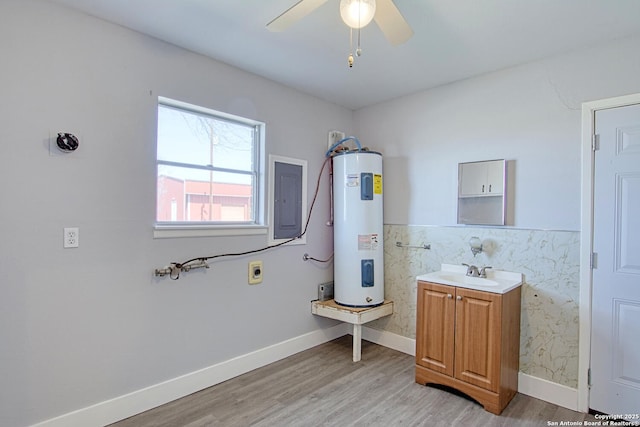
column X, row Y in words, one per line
column 208, row 167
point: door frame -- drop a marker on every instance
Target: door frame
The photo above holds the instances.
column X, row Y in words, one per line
column 586, row 232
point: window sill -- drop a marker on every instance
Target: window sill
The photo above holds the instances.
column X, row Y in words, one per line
column 172, row 231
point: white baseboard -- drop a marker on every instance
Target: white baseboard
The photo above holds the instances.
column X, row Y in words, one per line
column 122, row 407
column 390, row 340
column 539, row 388
column 548, row 391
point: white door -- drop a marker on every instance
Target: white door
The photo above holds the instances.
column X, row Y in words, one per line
column 615, row 333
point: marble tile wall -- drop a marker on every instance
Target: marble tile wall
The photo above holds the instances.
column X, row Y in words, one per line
column 549, row 261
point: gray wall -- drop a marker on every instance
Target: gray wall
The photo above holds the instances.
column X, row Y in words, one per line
column 529, row 115
column 85, row 325
column 80, row 326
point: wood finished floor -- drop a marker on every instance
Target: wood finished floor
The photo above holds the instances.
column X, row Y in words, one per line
column 324, row 387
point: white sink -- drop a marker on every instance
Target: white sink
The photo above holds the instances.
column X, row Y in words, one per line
column 497, row 281
column 463, row 278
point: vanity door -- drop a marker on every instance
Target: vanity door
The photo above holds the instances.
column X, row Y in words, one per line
column 478, row 338
column 435, row 327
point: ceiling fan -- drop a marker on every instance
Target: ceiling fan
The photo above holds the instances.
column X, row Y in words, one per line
column 384, row 12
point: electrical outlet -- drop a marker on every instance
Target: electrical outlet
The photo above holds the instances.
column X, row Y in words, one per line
column 255, row 272
column 334, row 136
column 71, row 237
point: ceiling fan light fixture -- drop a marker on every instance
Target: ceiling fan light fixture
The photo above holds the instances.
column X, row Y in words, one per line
column 357, row 13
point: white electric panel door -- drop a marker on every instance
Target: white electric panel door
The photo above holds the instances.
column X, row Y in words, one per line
column 358, row 229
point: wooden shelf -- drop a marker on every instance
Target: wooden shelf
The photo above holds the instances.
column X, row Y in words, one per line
column 357, row 316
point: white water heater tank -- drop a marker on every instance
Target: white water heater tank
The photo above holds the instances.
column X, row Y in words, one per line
column 358, row 229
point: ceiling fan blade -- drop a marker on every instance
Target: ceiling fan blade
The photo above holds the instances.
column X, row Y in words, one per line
column 391, row 22
column 293, row 14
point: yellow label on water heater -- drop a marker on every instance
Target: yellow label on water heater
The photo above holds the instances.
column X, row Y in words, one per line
column 377, row 184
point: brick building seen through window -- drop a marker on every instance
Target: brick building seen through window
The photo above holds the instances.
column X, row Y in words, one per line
column 203, row 201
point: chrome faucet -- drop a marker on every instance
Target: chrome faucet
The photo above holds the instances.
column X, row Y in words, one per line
column 483, row 271
column 474, row 271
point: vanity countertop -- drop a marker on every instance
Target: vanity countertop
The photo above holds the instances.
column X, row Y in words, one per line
column 497, row 281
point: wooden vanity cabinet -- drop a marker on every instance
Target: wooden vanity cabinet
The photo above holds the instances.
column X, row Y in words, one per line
column 469, row 340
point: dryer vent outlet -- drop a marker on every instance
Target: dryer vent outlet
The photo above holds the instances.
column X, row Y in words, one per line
column 255, row 272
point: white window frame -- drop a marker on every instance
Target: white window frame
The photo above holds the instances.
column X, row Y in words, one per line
column 188, row 229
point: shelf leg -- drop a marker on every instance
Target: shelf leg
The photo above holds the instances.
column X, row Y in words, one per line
column 357, row 337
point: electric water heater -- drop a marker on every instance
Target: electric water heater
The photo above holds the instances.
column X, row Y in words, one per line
column 357, row 227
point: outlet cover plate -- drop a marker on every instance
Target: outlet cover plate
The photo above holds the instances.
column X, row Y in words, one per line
column 334, row 136
column 71, row 237
column 255, row 272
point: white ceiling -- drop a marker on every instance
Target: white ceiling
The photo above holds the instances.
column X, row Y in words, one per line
column 454, row 39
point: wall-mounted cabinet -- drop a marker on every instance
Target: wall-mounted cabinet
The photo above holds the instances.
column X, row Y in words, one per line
column 481, row 178
column 481, row 192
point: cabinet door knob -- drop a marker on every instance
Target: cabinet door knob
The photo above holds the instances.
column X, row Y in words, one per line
column 449, row 296
column 459, row 298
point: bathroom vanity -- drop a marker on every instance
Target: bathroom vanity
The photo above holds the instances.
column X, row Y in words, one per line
column 468, row 333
